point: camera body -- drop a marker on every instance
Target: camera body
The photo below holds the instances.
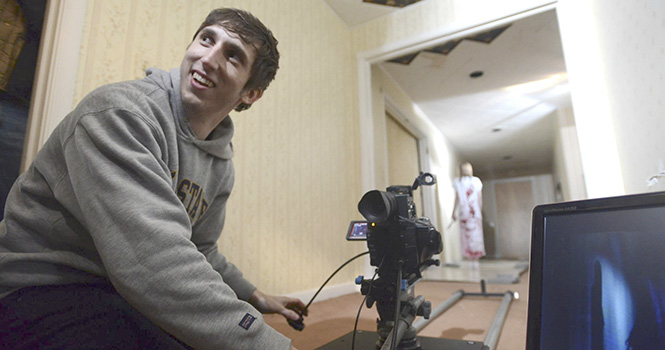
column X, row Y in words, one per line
column 399, row 238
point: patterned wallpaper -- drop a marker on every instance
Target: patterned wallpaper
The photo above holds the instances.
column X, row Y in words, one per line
column 297, row 163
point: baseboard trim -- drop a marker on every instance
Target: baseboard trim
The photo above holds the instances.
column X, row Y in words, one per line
column 328, row 292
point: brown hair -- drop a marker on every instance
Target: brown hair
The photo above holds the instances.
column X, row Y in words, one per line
column 253, row 32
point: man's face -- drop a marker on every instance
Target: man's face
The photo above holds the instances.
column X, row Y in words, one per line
column 215, row 69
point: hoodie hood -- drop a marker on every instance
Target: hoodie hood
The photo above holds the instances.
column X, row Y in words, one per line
column 219, row 142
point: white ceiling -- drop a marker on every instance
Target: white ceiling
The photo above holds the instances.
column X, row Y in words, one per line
column 524, row 82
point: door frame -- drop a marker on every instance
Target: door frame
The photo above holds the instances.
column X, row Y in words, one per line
column 366, row 59
column 428, row 192
column 55, row 75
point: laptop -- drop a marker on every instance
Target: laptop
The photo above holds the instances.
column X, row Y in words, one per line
column 597, row 274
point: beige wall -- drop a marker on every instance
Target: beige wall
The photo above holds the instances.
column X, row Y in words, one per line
column 297, row 163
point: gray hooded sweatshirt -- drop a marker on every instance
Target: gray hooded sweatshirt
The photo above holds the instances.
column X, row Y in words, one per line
column 124, row 192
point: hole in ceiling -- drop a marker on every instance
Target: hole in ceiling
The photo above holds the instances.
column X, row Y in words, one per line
column 446, row 48
column 476, row 74
column 405, row 60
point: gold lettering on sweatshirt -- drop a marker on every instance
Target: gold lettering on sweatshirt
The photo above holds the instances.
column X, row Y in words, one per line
column 191, row 196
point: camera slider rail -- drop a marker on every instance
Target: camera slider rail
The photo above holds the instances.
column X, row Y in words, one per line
column 367, row 340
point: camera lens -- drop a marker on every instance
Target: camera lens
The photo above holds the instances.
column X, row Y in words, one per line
column 377, row 206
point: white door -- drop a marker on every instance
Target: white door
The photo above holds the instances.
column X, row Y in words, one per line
column 514, row 203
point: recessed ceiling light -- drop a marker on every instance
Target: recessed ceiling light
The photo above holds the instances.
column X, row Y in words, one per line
column 476, row 74
column 395, row 3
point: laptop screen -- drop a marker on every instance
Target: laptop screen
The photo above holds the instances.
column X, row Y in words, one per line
column 597, row 276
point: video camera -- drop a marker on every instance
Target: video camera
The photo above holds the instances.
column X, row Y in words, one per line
column 401, row 246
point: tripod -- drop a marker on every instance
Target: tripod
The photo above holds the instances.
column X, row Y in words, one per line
column 402, row 332
column 405, row 329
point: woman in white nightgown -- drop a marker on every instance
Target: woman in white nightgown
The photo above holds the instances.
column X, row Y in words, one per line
column 468, row 206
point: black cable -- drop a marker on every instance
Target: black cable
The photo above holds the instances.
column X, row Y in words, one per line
column 333, row 274
column 299, row 325
column 355, row 326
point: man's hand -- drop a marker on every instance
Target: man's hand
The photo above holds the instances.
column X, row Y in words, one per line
column 285, row 306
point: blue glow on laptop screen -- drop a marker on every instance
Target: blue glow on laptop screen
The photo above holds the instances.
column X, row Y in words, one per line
column 604, row 280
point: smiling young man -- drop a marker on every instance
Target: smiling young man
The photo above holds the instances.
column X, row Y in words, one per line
column 214, row 75
column 110, row 238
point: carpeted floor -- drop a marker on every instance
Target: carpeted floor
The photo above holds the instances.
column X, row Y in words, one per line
column 468, row 319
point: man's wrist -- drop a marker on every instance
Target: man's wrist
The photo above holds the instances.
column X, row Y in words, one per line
column 257, row 299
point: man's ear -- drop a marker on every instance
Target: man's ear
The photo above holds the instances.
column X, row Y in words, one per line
column 250, row 96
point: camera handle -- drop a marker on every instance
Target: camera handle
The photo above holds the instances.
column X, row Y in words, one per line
column 424, row 179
